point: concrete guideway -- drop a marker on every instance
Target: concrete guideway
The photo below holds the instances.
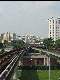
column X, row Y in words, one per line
column 8, row 69
column 4, row 75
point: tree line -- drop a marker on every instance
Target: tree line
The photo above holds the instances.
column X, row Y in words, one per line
column 50, row 44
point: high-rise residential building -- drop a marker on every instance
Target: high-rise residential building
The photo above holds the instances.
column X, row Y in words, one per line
column 13, row 36
column 54, row 28
column 8, row 37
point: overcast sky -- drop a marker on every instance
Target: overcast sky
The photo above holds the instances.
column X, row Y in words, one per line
column 27, row 16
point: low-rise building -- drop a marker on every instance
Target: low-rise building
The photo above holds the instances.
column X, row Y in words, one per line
column 38, row 59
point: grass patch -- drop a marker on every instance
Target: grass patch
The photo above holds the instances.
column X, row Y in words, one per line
column 38, row 75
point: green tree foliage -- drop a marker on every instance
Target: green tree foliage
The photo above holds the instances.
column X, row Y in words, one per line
column 18, row 43
column 57, row 43
column 5, row 43
column 2, row 51
column 1, row 45
column 2, row 48
column 48, row 43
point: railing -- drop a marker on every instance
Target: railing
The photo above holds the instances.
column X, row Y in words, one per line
column 50, row 53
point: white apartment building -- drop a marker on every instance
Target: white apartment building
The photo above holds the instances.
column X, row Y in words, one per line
column 54, row 28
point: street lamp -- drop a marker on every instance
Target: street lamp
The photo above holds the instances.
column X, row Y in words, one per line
column 49, row 67
column 49, row 64
column 31, row 62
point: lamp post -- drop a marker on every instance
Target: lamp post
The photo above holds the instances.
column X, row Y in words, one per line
column 49, row 67
column 31, row 62
column 48, row 63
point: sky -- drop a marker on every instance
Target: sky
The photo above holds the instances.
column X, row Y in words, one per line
column 27, row 16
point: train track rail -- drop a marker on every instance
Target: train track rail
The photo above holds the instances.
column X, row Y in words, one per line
column 6, row 59
column 7, row 65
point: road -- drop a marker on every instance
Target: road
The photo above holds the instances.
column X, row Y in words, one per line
column 49, row 53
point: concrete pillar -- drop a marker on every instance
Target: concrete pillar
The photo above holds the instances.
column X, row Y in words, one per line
column 14, row 76
column 44, row 60
column 35, row 61
column 19, row 62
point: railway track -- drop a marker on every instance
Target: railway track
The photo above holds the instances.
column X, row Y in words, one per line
column 9, row 62
column 6, row 59
column 8, row 69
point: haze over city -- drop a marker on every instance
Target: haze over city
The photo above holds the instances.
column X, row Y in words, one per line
column 29, row 40
column 27, row 16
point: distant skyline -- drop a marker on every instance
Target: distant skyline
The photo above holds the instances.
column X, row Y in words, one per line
column 27, row 16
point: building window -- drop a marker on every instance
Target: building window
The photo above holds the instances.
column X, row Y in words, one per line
column 50, row 32
column 50, row 20
column 50, row 27
column 56, row 35
column 56, row 27
column 53, row 27
column 56, row 22
column 53, row 21
column 59, row 21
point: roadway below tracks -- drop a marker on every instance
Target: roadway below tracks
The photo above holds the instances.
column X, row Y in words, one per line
column 48, row 52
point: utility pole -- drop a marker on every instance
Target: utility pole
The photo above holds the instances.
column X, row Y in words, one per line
column 49, row 67
column 49, row 62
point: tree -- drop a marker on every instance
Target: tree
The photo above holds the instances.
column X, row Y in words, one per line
column 57, row 43
column 18, row 43
column 1, row 45
column 5, row 43
column 2, row 50
column 48, row 43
